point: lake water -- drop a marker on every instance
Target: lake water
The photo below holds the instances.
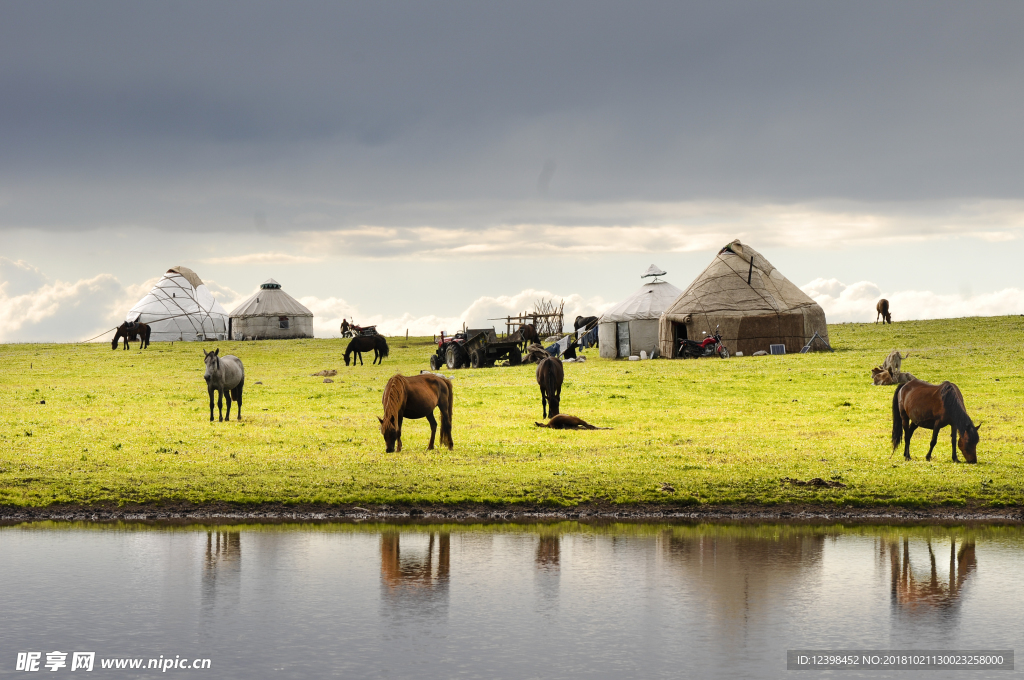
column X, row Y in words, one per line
column 566, row 600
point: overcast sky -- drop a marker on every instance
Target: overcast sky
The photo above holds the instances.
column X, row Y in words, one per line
column 421, row 164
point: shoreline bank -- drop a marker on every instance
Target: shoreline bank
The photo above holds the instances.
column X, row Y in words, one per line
column 275, row 513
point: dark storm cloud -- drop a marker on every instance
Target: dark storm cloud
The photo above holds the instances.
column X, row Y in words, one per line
column 195, row 113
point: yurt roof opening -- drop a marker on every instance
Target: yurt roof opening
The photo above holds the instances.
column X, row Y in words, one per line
column 632, row 325
column 181, row 307
column 270, row 313
column 749, row 300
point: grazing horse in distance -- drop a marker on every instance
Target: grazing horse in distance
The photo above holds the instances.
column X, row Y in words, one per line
column 550, row 375
column 226, row 375
column 132, row 330
column 527, row 334
column 920, row 404
column 883, row 311
column 416, row 397
column 365, row 343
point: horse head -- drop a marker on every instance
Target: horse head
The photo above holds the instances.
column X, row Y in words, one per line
column 968, row 443
column 117, row 336
column 212, row 361
column 389, row 430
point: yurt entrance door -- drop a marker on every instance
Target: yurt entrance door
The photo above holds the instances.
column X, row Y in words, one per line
column 622, row 334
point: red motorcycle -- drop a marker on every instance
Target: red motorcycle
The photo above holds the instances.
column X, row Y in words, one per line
column 711, row 346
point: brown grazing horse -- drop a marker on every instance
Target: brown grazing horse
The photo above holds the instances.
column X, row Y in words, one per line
column 132, row 331
column 564, row 421
column 416, row 397
column 883, row 311
column 527, row 335
column 920, row 404
column 365, row 343
column 550, row 376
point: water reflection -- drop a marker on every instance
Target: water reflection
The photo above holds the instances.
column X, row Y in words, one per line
column 558, row 600
column 916, row 583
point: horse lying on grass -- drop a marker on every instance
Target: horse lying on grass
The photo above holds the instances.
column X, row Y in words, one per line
column 416, row 397
column 226, row 375
column 921, row 404
column 566, row 422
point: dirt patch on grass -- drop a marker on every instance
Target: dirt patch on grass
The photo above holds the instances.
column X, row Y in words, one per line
column 184, row 512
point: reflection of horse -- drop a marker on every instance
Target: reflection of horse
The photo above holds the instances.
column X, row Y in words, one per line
column 920, row 404
column 550, row 375
column 908, row 591
column 225, row 375
column 416, row 397
column 397, row 571
column 883, row 311
column 132, row 330
column 365, row 343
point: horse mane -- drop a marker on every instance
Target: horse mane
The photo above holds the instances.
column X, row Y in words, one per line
column 394, row 397
column 953, row 403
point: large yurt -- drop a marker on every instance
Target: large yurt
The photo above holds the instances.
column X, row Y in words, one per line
column 632, row 325
column 181, row 307
column 749, row 300
column 271, row 313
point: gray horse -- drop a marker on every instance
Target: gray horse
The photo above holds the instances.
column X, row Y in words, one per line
column 226, row 375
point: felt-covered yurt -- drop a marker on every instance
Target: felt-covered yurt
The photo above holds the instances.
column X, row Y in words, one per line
column 751, row 302
column 181, row 307
column 632, row 325
column 271, row 313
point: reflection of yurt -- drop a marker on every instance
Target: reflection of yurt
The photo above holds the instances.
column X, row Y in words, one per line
column 632, row 325
column 750, row 300
column 270, row 313
column 181, row 307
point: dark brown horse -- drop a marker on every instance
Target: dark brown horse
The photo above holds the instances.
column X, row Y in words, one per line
column 133, row 330
column 416, row 397
column 526, row 336
column 883, row 311
column 365, row 343
column 550, row 376
column 920, row 404
column 564, row 421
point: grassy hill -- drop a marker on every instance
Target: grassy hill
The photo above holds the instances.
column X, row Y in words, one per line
column 129, row 427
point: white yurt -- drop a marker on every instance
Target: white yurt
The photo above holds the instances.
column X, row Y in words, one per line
column 181, row 307
column 270, row 313
column 632, row 325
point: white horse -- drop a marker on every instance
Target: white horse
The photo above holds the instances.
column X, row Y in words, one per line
column 226, row 375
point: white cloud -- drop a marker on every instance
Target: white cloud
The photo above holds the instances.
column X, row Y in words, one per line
column 328, row 313
column 60, row 310
column 856, row 302
column 262, row 258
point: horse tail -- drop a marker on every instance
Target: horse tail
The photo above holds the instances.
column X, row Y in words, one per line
column 897, row 420
column 446, row 416
column 382, row 346
column 394, row 397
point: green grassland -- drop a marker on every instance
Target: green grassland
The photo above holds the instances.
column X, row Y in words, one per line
column 132, row 427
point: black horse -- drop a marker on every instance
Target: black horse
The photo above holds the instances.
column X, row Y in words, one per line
column 583, row 325
column 365, row 343
column 550, row 376
column 132, row 330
